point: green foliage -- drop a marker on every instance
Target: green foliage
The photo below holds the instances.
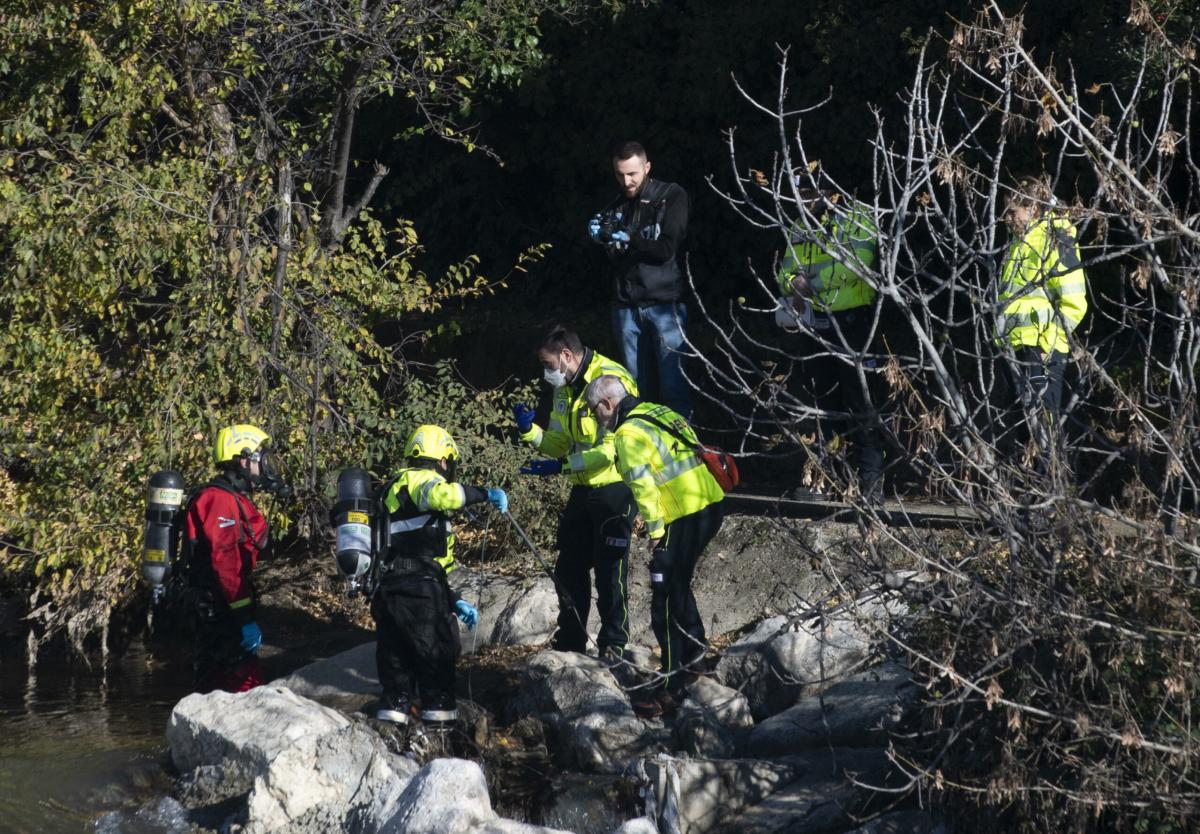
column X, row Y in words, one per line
column 163, row 181
column 481, row 423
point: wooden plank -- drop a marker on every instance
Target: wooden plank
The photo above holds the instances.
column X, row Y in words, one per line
column 895, row 512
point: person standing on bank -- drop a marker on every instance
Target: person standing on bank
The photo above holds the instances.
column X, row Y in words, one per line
column 681, row 505
column 225, row 536
column 833, row 244
column 1043, row 298
column 414, row 607
column 643, row 232
column 597, row 522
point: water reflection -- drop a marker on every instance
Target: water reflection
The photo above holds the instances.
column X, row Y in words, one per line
column 78, row 742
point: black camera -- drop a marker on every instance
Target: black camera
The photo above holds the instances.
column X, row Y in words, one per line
column 610, row 223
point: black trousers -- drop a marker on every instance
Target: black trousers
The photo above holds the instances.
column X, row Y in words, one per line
column 1034, row 404
column 417, row 642
column 835, row 385
column 593, row 535
column 218, row 659
column 673, row 613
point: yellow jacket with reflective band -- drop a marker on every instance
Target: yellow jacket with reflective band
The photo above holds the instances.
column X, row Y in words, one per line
column 1043, row 292
column 834, row 257
column 573, row 435
column 430, row 496
column 668, row 479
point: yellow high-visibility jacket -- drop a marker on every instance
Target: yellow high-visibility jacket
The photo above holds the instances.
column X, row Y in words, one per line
column 837, row 283
column 1042, row 286
column 417, row 502
column 668, row 479
column 573, row 435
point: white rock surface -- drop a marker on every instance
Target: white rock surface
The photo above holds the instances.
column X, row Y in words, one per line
column 298, row 755
column 450, row 796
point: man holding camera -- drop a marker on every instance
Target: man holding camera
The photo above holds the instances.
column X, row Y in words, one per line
column 642, row 232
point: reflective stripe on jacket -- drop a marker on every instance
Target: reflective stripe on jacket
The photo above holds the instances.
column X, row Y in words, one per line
column 1042, row 287
column 834, row 257
column 573, row 435
column 668, row 479
column 417, row 502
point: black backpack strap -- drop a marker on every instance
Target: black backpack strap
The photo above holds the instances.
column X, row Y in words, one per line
column 695, row 447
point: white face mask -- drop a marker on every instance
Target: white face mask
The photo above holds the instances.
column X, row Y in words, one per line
column 555, row 377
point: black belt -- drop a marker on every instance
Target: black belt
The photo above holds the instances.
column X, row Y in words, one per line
column 403, row 565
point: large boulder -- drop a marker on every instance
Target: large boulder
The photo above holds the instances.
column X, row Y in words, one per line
column 855, row 712
column 301, row 766
column 784, row 658
column 450, row 796
column 513, row 611
column 713, row 720
column 591, row 724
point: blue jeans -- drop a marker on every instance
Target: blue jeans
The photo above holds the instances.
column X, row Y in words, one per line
column 651, row 340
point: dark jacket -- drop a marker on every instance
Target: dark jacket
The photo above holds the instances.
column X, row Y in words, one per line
column 649, row 271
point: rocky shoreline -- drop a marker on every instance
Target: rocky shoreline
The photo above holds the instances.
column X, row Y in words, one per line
column 787, row 733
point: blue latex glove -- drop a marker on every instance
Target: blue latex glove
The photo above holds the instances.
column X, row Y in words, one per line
column 251, row 637
column 619, row 240
column 467, row 613
column 524, row 417
column 594, row 229
column 498, row 498
column 542, row 467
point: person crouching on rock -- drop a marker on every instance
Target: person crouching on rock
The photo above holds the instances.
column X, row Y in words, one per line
column 414, row 606
column 226, row 535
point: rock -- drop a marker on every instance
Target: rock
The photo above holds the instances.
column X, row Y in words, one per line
column 450, row 796
column 582, row 802
column 446, row 796
column 855, row 712
column 690, row 796
column 783, row 660
column 809, row 793
column 641, row 825
column 713, row 720
column 901, row 822
column 528, row 617
column 751, row 564
column 299, row 761
column 503, row 826
column 586, row 712
column 346, row 681
column 818, row 801
column 165, row 815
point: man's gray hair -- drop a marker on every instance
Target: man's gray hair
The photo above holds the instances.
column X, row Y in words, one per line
column 605, row 387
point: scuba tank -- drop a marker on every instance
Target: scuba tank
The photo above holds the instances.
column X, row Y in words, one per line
column 163, row 500
column 352, row 520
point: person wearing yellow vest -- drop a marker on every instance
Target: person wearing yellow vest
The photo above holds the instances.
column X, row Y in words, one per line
column 414, row 606
column 826, row 297
column 681, row 505
column 1042, row 296
column 597, row 522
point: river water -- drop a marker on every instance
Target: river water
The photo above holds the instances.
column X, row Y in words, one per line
column 79, row 743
